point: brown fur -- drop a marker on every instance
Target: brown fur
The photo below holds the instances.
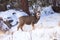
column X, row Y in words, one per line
column 28, row 20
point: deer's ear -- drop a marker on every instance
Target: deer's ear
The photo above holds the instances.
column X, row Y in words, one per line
column 37, row 11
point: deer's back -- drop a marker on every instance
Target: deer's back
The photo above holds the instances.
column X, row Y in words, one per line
column 27, row 19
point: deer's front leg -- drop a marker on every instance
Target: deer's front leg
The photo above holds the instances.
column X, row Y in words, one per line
column 20, row 26
column 33, row 26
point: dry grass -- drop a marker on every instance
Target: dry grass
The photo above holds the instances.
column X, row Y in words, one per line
column 59, row 23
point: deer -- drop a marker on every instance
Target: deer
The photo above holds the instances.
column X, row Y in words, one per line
column 28, row 20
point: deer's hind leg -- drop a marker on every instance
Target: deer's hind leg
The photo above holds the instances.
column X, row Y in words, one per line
column 33, row 26
column 20, row 26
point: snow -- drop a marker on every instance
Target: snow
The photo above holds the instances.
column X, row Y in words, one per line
column 47, row 11
column 10, row 14
column 47, row 27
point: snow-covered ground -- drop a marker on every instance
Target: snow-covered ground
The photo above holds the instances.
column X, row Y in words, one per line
column 47, row 27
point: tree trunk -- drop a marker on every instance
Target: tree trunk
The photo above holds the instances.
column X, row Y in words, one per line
column 24, row 6
column 55, row 7
column 54, row 2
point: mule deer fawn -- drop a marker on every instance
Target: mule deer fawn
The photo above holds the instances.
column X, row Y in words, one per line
column 29, row 20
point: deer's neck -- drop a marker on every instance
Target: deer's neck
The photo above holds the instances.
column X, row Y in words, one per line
column 36, row 20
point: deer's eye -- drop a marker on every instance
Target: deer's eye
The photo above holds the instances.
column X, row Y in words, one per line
column 38, row 14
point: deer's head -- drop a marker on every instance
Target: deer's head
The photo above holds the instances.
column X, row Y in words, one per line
column 37, row 14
